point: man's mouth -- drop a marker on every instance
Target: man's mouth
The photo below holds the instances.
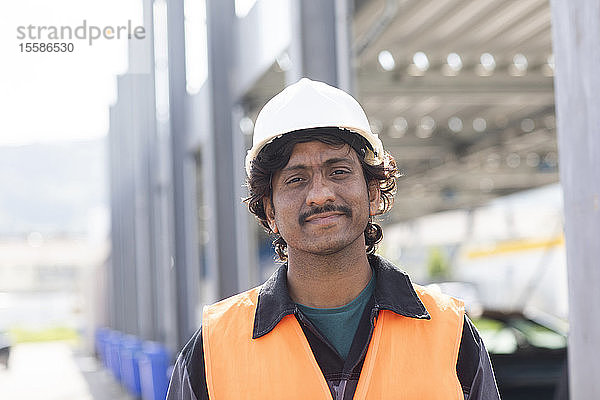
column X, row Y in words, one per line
column 327, row 215
column 324, row 214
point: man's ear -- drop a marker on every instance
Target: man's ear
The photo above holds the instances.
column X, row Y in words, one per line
column 270, row 213
column 374, row 197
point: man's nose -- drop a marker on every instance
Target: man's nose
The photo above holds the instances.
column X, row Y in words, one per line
column 319, row 192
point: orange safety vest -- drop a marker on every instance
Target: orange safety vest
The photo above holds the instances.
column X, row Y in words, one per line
column 407, row 358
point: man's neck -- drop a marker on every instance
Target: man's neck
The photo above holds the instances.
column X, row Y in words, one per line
column 328, row 281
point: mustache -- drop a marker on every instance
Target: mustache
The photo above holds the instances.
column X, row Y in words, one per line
column 323, row 209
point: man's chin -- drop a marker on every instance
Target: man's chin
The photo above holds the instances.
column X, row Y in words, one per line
column 326, row 246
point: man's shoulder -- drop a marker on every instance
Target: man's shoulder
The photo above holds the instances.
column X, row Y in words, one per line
column 235, row 313
column 248, row 297
column 438, row 303
column 437, row 296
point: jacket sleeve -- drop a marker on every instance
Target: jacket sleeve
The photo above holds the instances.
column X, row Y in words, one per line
column 474, row 368
column 188, row 380
column 180, row 387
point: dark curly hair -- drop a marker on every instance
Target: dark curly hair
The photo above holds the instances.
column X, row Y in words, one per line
column 276, row 155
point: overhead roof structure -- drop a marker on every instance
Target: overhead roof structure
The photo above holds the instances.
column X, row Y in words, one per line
column 460, row 91
column 462, row 94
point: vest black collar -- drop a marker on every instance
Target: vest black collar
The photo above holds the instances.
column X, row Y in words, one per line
column 393, row 292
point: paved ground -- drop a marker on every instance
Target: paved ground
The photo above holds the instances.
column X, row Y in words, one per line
column 55, row 371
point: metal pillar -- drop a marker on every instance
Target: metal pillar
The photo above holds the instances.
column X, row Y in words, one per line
column 320, row 46
column 143, row 134
column 152, row 285
column 222, row 199
column 576, row 39
column 124, row 234
column 114, row 295
column 164, row 283
column 132, row 129
column 246, row 240
column 185, row 263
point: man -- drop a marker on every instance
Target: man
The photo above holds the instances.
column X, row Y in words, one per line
column 335, row 321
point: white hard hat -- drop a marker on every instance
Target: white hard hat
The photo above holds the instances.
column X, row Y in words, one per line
column 310, row 104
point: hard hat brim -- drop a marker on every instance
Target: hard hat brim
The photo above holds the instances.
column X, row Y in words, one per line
column 372, row 156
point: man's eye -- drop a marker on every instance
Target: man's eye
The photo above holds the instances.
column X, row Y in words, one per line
column 340, row 172
column 294, row 180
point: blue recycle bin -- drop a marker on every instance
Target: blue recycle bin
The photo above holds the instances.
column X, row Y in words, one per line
column 107, row 349
column 113, row 348
column 100, row 344
column 131, row 348
column 154, row 365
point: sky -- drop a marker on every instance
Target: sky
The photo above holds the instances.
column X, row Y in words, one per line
column 54, row 188
column 54, row 111
column 47, row 97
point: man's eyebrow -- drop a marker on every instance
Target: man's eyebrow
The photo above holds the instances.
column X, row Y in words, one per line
column 336, row 160
column 326, row 163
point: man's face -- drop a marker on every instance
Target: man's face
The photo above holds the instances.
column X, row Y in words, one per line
column 321, row 203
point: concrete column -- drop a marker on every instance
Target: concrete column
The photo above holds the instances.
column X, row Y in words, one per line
column 576, row 39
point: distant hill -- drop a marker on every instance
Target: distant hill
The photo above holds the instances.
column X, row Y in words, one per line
column 52, row 188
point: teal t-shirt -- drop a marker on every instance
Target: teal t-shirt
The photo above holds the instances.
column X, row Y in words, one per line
column 339, row 324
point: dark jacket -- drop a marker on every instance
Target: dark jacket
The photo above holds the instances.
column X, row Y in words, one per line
column 393, row 291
